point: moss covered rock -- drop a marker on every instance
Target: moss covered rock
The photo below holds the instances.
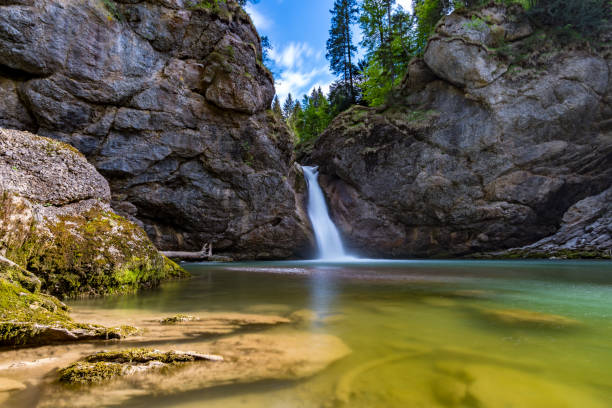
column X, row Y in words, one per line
column 56, row 221
column 107, row 365
column 29, row 317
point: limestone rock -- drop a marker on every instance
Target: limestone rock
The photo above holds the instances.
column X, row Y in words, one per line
column 586, row 232
column 248, row 358
column 55, row 218
column 467, row 157
column 169, row 100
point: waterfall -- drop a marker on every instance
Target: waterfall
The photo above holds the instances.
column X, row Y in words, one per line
column 327, row 235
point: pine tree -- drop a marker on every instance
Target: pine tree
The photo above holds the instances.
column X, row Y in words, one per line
column 288, row 106
column 340, row 48
column 276, row 107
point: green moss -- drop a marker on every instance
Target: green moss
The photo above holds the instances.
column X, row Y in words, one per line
column 139, row 356
column 179, row 318
column 107, row 365
column 96, row 253
column 84, row 373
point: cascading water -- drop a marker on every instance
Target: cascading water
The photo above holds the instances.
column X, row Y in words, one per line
column 327, row 235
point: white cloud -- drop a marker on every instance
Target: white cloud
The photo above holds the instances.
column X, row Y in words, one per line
column 406, row 4
column 298, row 82
column 261, row 22
column 292, row 55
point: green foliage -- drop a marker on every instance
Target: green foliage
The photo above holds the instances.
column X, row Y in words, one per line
column 428, row 13
column 585, row 16
column 376, row 85
column 312, row 118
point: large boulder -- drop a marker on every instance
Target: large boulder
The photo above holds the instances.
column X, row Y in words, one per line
column 56, row 222
column 467, row 157
column 169, row 100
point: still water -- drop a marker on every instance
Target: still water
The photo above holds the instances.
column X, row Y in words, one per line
column 477, row 334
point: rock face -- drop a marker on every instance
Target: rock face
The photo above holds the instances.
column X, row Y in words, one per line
column 56, row 221
column 586, row 232
column 492, row 137
column 168, row 99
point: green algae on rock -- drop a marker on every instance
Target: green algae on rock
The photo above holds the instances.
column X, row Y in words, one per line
column 179, row 318
column 107, row 365
column 29, row 317
column 56, row 221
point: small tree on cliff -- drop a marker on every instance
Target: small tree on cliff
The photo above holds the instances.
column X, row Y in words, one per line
column 276, row 107
column 288, row 107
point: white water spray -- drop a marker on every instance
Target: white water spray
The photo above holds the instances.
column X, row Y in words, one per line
column 327, row 235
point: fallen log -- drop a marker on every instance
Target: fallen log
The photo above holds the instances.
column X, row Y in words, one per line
column 204, row 254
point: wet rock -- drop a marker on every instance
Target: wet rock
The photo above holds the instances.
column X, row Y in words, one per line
column 179, row 318
column 247, row 359
column 449, row 391
column 467, row 157
column 499, row 387
column 170, row 101
column 518, row 317
column 29, row 317
column 7, row 385
column 304, row 316
column 105, row 366
column 210, row 325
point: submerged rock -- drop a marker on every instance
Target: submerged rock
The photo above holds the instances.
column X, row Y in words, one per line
column 179, row 318
column 55, row 218
column 248, row 358
column 170, row 101
column 518, row 317
column 7, row 385
column 209, row 325
column 106, row 365
column 487, row 145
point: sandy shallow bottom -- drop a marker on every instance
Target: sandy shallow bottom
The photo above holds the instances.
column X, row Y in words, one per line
column 427, row 335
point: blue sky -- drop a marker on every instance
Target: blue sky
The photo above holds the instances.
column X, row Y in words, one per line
column 298, row 31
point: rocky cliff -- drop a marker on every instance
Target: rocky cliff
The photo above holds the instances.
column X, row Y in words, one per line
column 168, row 99
column 494, row 135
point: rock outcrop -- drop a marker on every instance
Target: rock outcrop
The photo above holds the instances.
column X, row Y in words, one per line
column 493, row 136
column 586, row 232
column 56, row 222
column 168, row 99
column 29, row 317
